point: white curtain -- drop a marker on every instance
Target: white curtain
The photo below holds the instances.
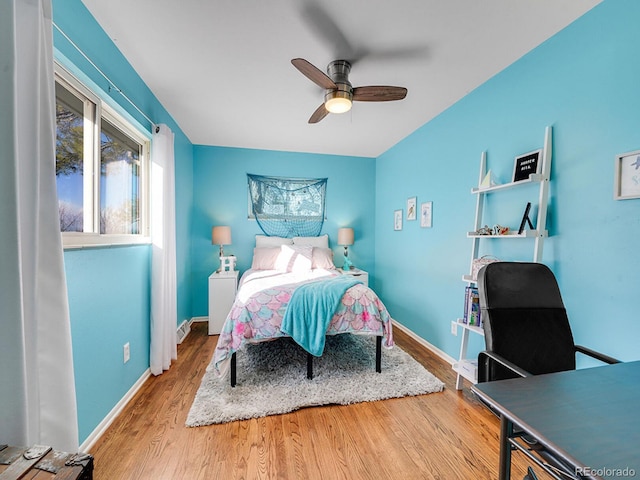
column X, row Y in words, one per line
column 164, row 312
column 37, row 391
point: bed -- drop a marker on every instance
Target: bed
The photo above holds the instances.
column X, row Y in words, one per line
column 264, row 299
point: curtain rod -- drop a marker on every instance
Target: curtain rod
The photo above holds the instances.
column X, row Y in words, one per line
column 111, row 84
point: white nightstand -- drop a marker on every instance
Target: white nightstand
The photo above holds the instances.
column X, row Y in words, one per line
column 222, row 292
column 359, row 274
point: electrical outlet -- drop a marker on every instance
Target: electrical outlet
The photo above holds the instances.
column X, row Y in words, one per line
column 127, row 352
column 454, row 327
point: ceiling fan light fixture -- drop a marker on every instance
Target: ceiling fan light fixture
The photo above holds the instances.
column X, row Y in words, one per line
column 337, row 104
column 339, row 100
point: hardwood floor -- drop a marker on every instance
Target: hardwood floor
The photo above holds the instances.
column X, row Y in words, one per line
column 447, row 435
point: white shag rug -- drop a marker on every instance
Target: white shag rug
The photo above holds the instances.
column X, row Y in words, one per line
column 272, row 379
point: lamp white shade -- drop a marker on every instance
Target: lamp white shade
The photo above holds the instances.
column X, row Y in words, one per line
column 345, row 236
column 221, row 235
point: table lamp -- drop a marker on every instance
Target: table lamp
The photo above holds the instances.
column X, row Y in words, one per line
column 345, row 238
column 221, row 235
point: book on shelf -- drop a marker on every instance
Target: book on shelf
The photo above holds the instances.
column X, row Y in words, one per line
column 471, row 314
column 465, row 313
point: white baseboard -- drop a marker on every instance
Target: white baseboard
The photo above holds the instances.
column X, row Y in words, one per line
column 424, row 343
column 199, row 319
column 108, row 420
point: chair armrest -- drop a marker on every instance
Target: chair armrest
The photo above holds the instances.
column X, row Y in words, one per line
column 502, row 361
column 597, row 355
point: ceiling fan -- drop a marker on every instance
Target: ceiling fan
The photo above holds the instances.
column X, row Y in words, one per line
column 339, row 93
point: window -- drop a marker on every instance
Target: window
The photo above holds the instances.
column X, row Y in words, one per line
column 101, row 169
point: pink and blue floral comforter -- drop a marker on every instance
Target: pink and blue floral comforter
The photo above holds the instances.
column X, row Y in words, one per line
column 262, row 299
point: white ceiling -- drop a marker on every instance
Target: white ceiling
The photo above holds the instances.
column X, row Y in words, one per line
column 222, row 68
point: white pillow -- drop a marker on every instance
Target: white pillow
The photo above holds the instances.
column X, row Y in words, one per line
column 265, row 241
column 319, row 242
column 264, row 258
column 322, row 258
column 294, row 258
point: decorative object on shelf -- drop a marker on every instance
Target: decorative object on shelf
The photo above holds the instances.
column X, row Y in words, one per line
column 345, row 238
column 526, row 164
column 496, row 230
column 478, row 263
column 411, row 208
column 489, row 181
column 500, row 230
column 525, row 219
column 221, row 235
column 627, row 176
column 484, row 231
column 397, row 220
column 426, row 210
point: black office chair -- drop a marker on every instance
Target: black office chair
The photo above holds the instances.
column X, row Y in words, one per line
column 527, row 332
column 526, row 328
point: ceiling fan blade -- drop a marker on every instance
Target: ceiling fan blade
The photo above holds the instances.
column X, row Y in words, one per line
column 417, row 53
column 313, row 73
column 325, row 27
column 319, row 114
column 378, row 93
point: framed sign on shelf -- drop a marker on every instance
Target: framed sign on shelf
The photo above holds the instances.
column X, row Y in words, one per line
column 526, row 164
column 627, row 176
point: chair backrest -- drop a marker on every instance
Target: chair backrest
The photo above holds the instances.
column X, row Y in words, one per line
column 524, row 319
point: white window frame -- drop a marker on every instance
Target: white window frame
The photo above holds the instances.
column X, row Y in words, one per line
column 98, row 109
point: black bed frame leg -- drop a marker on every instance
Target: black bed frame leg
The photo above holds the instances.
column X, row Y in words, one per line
column 309, row 366
column 379, row 354
column 233, row 369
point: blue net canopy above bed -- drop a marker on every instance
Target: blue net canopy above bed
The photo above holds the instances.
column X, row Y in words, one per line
column 288, row 207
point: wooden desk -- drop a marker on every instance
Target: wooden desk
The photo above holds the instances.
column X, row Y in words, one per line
column 590, row 418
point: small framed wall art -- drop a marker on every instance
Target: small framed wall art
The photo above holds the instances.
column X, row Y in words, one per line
column 425, row 214
column 397, row 220
column 411, row 208
column 526, row 164
column 627, row 176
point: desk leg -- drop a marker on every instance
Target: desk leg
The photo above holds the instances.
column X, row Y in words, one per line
column 506, row 431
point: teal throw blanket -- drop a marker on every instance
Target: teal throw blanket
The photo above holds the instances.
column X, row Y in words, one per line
column 310, row 310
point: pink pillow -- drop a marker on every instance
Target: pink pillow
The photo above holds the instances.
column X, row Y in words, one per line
column 294, row 258
column 265, row 258
column 322, row 258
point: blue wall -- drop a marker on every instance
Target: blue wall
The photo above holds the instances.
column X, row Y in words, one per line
column 583, row 82
column 220, row 198
column 109, row 287
column 106, row 314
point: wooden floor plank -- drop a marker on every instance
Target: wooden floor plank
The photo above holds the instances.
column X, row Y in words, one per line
column 443, row 436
